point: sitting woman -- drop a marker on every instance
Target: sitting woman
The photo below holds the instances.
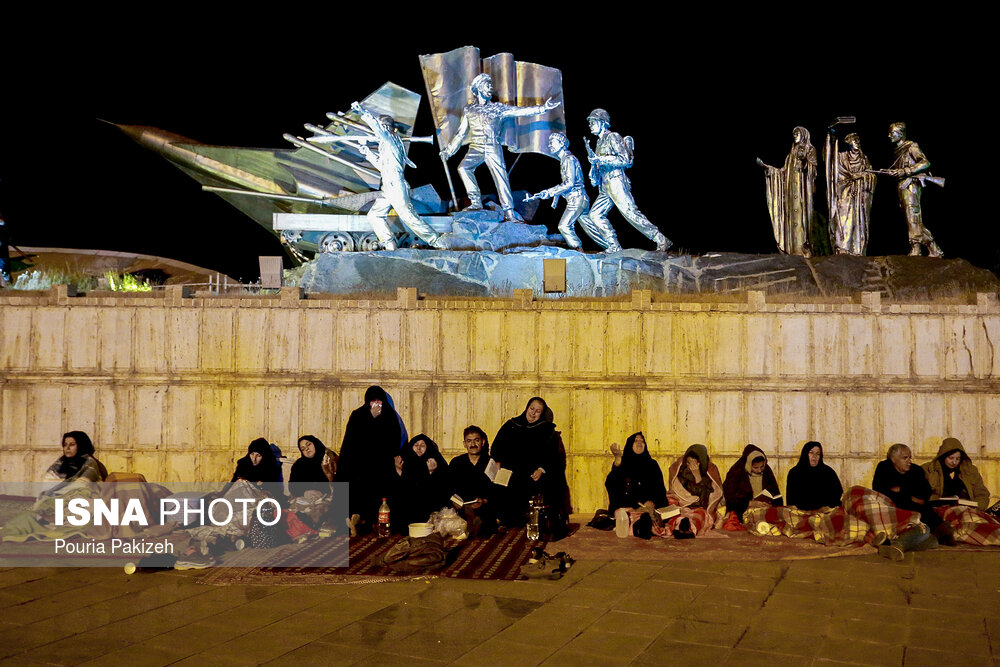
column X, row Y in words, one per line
column 531, row 448
column 952, row 475
column 422, row 484
column 468, row 481
column 750, row 483
column 812, row 484
column 635, row 480
column 694, row 483
column 314, row 470
column 259, row 465
column 75, row 473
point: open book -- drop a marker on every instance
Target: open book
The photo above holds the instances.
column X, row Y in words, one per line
column 767, row 494
column 497, row 474
column 457, row 499
column 668, row 512
column 955, row 500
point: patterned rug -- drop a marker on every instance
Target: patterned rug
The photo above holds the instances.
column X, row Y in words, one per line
column 499, row 557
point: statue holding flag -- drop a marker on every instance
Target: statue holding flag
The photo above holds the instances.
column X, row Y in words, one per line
column 482, row 121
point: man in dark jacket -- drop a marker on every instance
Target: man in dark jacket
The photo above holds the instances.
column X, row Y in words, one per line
column 906, row 486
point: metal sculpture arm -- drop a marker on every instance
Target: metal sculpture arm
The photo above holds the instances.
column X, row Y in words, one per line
column 518, row 112
column 456, row 141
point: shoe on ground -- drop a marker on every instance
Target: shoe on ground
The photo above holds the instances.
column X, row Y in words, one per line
column 891, row 551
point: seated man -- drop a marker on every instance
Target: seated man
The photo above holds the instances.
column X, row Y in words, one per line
column 907, row 487
column 467, row 479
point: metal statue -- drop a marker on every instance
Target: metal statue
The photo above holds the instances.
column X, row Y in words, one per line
column 608, row 162
column 912, row 168
column 391, row 161
column 483, row 122
column 849, row 186
column 577, row 201
column 790, row 196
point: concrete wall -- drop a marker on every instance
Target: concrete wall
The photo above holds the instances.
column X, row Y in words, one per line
column 176, row 387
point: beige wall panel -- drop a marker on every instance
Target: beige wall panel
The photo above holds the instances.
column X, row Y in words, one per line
column 762, row 419
column 316, row 418
column 859, row 472
column 692, row 421
column 794, row 341
column 386, row 337
column 82, row 339
column 622, row 343
column 860, row 344
column 422, row 342
column 249, row 415
column 621, row 417
column 727, row 424
column 252, row 339
column 45, row 415
column 284, row 331
column 657, row 335
column 959, row 346
column 115, row 416
column 80, row 409
column 454, row 415
column 587, row 418
column 486, row 412
column 828, row 345
column 863, row 431
column 930, row 424
column 456, row 345
column 317, row 341
column 354, row 340
column 14, row 466
column 15, row 338
column 48, row 343
column 590, row 336
column 726, row 338
column 218, row 466
column 116, row 326
column 555, row 347
column 148, row 425
column 217, row 334
column 419, row 413
column 894, row 345
column 760, row 339
column 117, row 460
column 690, row 344
column 181, row 466
column 794, row 418
column 928, row 346
column 990, row 470
column 830, row 422
column 150, row 340
column 587, row 492
column 488, row 341
column 966, row 420
column 14, row 417
column 183, row 333
column 181, row 417
column 215, row 420
column 282, row 426
column 897, row 418
column 522, row 342
column 991, row 426
column 991, row 332
column 151, row 465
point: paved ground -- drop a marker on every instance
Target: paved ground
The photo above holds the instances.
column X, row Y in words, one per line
column 934, row 608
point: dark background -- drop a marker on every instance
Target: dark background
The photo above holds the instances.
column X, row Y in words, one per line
column 701, row 99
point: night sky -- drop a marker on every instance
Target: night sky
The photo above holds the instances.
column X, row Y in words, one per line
column 701, row 102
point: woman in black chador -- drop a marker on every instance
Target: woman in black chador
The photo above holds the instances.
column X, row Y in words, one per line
column 422, row 484
column 635, row 479
column 530, row 447
column 371, row 442
column 812, row 484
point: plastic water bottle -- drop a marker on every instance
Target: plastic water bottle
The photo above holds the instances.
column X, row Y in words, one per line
column 383, row 519
column 621, row 522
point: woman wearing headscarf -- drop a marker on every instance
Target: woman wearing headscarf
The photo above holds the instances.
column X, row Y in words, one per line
column 694, row 484
column 259, row 465
column 530, row 447
column 314, row 470
column 422, row 486
column 812, row 484
column 371, row 443
column 467, row 479
column 952, row 474
column 790, row 191
column 76, row 473
column 747, row 481
column 635, row 479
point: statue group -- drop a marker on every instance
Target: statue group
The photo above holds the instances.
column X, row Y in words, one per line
column 850, row 184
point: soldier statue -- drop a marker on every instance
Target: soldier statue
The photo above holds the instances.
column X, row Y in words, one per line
column 391, row 161
column 577, row 201
column 911, row 167
column 608, row 162
column 483, row 122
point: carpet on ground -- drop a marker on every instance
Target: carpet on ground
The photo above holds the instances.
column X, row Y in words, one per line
column 499, row 557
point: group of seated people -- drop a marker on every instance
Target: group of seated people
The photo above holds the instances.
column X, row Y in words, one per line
column 943, row 501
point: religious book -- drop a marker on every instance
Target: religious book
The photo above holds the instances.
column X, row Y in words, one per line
column 955, row 500
column 457, row 499
column 497, row 475
column 767, row 494
column 668, row 512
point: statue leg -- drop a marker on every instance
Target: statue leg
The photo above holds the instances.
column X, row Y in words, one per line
column 568, row 220
column 498, row 170
column 466, row 171
column 909, row 201
column 399, row 196
column 600, row 231
column 622, row 197
column 378, row 218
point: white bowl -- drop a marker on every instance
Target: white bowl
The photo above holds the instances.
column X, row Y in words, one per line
column 421, row 529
